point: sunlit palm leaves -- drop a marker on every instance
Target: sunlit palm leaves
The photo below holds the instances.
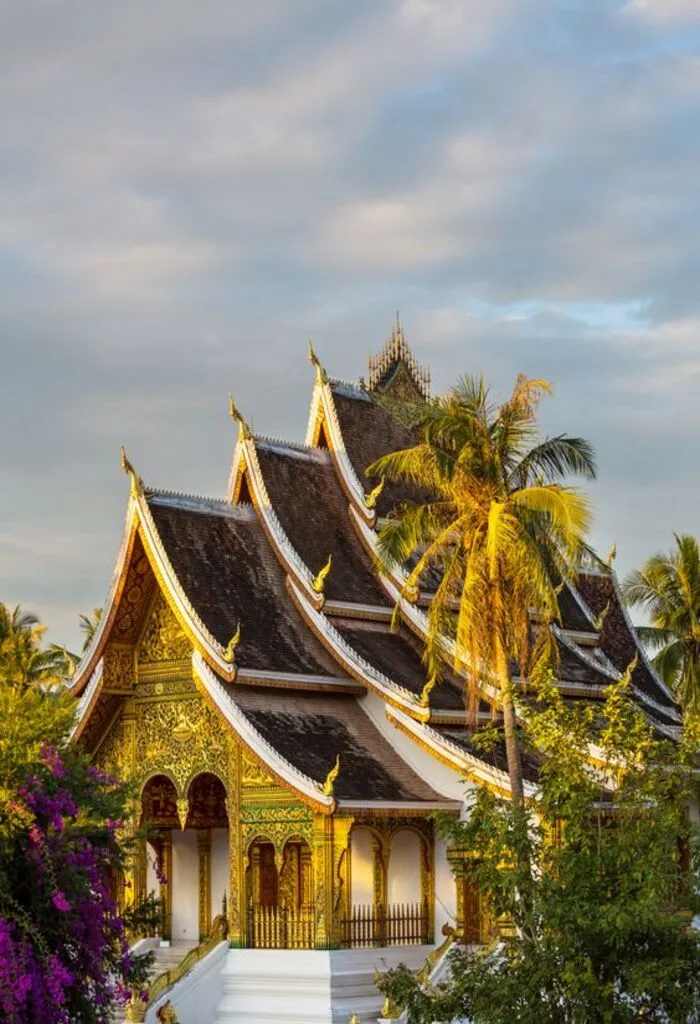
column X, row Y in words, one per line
column 668, row 588
column 501, row 528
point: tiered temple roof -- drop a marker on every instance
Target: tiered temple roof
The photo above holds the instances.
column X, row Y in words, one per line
column 277, row 591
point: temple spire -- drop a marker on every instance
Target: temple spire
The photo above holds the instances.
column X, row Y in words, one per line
column 396, row 353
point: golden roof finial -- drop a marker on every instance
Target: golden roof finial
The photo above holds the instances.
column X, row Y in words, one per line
column 236, row 415
column 629, row 671
column 331, row 777
column 136, row 481
column 600, row 620
column 321, row 375
column 427, row 690
column 612, row 555
column 373, row 496
column 319, row 580
column 230, row 652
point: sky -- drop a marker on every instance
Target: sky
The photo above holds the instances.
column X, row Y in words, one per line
column 188, row 192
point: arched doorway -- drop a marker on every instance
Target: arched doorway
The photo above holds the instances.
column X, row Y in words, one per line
column 160, row 819
column 204, row 842
column 279, row 888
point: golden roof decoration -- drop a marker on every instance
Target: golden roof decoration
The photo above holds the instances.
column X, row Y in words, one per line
column 321, row 375
column 395, row 351
column 427, row 690
column 329, row 784
column 319, row 580
column 236, row 415
column 373, row 496
column 136, row 481
column 230, row 652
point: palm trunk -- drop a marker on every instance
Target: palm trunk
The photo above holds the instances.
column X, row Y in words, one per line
column 513, row 757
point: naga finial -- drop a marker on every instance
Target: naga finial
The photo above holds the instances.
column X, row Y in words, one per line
column 427, row 690
column 236, row 415
column 373, row 496
column 331, row 777
column 230, row 652
column 612, row 555
column 599, row 622
column 319, row 580
column 136, row 481
column 321, row 375
column 629, row 671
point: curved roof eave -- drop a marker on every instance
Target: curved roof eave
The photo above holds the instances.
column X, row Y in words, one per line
column 323, row 409
column 91, row 656
column 308, row 789
column 453, row 756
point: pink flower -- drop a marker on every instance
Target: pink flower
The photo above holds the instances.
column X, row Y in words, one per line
column 59, row 901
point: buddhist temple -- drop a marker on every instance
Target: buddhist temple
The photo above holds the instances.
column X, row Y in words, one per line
column 287, row 747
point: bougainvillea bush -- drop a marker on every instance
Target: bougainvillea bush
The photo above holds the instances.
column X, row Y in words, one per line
column 64, row 953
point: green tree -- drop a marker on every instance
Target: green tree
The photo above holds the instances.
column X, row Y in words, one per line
column 24, row 662
column 499, row 525
column 667, row 587
column 64, row 954
column 602, row 926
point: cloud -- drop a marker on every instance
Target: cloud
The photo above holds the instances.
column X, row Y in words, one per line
column 667, row 10
column 186, row 196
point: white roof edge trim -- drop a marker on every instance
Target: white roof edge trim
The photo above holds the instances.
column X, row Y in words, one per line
column 293, row 560
column 405, row 805
column 460, row 758
column 374, row 679
column 207, row 639
column 117, row 572
column 604, row 668
column 253, row 739
column 86, row 701
column 339, row 452
column 235, row 464
column 294, row 677
column 313, row 415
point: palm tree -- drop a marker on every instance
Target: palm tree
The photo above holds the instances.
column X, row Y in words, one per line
column 24, row 663
column 668, row 588
column 501, row 528
column 88, row 626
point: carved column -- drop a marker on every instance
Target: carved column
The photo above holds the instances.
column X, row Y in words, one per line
column 166, row 889
column 380, row 852
column 341, row 876
column 204, row 859
column 323, row 880
column 427, row 883
column 237, row 910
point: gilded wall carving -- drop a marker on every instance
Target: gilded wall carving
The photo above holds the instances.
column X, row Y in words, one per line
column 115, row 753
column 163, row 639
column 253, row 774
column 181, row 738
column 118, row 667
column 276, row 823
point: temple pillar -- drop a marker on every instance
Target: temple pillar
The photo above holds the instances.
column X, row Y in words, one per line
column 166, row 889
column 204, row 862
column 237, row 907
column 323, row 880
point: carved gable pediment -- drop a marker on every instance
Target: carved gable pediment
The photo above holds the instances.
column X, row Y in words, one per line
column 163, row 638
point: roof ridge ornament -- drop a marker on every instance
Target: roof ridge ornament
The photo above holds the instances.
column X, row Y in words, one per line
column 237, row 416
column 333, row 774
column 321, row 375
column 373, row 496
column 611, row 556
column 319, row 580
column 230, row 652
column 136, row 481
column 397, row 350
column 427, row 690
